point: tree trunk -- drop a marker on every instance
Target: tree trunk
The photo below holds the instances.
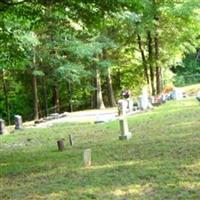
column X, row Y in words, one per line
column 158, row 69
column 144, row 62
column 150, row 59
column 111, row 96
column 93, row 93
column 5, row 90
column 56, row 102
column 35, row 92
column 45, row 97
column 99, row 98
column 70, row 104
column 35, row 97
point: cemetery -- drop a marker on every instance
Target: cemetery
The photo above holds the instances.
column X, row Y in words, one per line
column 99, row 99
column 149, row 155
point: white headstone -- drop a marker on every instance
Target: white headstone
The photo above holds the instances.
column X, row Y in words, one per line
column 130, row 104
column 178, row 94
column 87, row 157
column 122, row 107
column 18, row 122
column 125, row 134
column 2, row 127
column 144, row 102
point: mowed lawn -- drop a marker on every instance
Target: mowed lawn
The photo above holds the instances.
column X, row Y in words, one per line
column 161, row 161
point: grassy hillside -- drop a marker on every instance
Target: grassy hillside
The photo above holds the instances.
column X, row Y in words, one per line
column 192, row 90
column 161, row 161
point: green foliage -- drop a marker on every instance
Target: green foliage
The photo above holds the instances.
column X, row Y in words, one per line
column 189, row 71
column 61, row 43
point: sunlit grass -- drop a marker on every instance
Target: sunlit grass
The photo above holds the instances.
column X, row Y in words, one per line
column 161, row 161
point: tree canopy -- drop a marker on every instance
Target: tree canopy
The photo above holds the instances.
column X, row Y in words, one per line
column 67, row 55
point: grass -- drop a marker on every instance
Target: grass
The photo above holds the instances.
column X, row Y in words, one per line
column 161, row 161
column 191, row 90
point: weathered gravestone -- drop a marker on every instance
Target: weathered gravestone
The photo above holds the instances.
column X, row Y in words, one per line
column 18, row 122
column 122, row 107
column 71, row 142
column 61, row 145
column 124, row 132
column 2, row 127
column 87, row 157
column 130, row 104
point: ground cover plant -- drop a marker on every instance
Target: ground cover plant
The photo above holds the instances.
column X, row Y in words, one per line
column 161, row 161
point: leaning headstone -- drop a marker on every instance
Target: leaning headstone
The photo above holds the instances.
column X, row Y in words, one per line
column 71, row 142
column 18, row 122
column 87, row 157
column 125, row 134
column 2, row 127
column 61, row 145
column 122, row 107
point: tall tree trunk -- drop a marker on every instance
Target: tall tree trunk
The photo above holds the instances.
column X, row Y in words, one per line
column 93, row 93
column 158, row 68
column 70, row 104
column 56, row 102
column 99, row 98
column 5, row 91
column 150, row 59
column 35, row 92
column 144, row 62
column 45, row 97
column 111, row 96
column 35, row 97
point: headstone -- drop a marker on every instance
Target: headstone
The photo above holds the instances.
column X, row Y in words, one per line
column 2, row 127
column 18, row 122
column 71, row 142
column 122, row 107
column 178, row 94
column 87, row 157
column 125, row 134
column 54, row 115
column 144, row 99
column 61, row 145
column 130, row 104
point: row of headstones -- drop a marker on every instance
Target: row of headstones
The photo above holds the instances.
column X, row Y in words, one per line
column 124, row 133
column 18, row 125
column 143, row 103
column 86, row 152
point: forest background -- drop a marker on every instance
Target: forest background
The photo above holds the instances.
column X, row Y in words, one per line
column 58, row 56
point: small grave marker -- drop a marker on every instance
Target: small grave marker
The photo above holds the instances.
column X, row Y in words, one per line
column 2, row 127
column 71, row 142
column 18, row 122
column 61, row 145
column 87, row 157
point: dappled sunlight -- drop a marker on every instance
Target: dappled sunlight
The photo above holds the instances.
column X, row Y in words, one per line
column 186, row 124
column 112, row 165
column 190, row 185
column 162, row 156
column 133, row 189
column 53, row 196
column 194, row 166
